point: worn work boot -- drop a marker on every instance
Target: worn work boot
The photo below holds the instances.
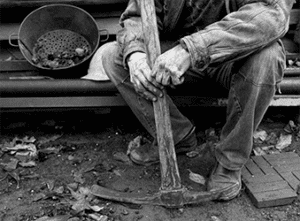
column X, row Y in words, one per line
column 227, row 180
column 148, row 154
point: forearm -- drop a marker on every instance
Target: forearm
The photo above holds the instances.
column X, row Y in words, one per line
column 130, row 37
column 240, row 33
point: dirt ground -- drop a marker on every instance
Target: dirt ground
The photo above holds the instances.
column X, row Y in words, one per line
column 50, row 159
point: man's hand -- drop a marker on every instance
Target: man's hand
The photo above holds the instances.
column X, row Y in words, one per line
column 170, row 66
column 140, row 77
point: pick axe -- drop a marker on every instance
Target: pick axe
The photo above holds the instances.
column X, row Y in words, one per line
column 171, row 193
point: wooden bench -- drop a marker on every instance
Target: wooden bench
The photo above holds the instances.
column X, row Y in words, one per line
column 19, row 92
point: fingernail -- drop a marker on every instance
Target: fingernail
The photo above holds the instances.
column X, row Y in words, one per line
column 154, row 99
column 161, row 95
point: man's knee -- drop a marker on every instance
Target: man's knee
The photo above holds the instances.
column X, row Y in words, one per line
column 104, row 60
column 265, row 67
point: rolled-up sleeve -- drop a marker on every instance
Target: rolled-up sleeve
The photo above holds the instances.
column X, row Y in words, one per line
column 253, row 26
column 130, row 38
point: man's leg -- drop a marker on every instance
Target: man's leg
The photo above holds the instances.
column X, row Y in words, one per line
column 253, row 82
column 111, row 61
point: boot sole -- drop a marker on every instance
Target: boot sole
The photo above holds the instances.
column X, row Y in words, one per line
column 231, row 192
column 182, row 150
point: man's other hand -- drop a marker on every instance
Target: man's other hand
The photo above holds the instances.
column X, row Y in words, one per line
column 170, row 66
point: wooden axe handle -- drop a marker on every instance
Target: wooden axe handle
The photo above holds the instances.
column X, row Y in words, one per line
column 170, row 179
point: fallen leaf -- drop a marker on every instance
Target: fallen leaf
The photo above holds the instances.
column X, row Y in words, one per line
column 134, row 144
column 258, row 151
column 73, row 186
column 284, row 141
column 56, row 218
column 196, row 177
column 259, row 136
column 13, row 175
column 78, row 177
column 98, row 217
column 272, row 138
column 117, row 172
column 50, row 150
column 192, row 153
column 59, row 190
column 28, row 148
column 215, row 218
column 38, row 197
column 122, row 157
column 28, row 164
column 97, row 208
column 44, row 140
column 11, row 165
column 82, row 197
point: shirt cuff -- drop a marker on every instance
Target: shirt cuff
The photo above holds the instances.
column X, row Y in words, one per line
column 199, row 56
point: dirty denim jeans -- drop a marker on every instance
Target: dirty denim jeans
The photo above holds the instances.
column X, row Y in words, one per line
column 251, row 81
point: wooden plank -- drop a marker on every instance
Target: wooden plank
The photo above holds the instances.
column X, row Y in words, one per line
column 30, row 3
column 110, row 24
column 56, row 102
column 16, row 65
column 285, row 101
column 170, row 177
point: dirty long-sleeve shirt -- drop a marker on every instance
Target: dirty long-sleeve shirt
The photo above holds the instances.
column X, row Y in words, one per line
column 213, row 31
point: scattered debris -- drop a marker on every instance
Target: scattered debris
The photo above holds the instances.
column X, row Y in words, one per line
column 275, row 142
column 25, row 146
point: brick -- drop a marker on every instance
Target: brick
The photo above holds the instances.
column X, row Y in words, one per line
column 272, row 180
column 264, row 165
column 265, row 187
column 273, row 198
column 253, row 168
column 291, row 179
column 287, row 167
column 263, row 179
column 286, row 161
column 296, row 173
column 273, row 158
column 246, row 174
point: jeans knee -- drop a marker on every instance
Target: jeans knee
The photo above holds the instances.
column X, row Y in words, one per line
column 265, row 67
column 105, row 61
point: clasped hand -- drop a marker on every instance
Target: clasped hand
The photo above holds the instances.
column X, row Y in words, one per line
column 168, row 70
